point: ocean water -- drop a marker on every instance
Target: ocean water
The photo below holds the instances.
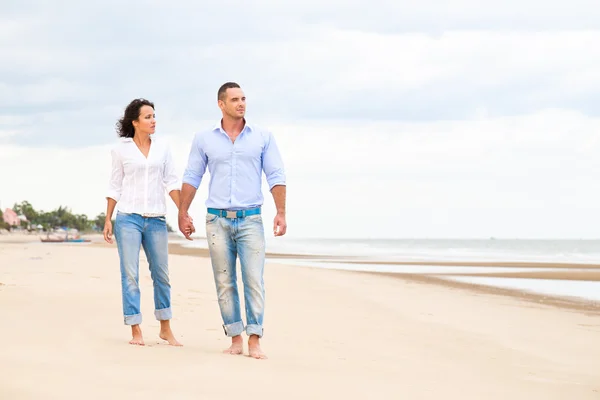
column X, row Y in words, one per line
column 369, row 251
column 553, row 287
column 568, row 251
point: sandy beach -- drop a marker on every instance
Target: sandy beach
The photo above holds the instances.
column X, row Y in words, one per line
column 328, row 334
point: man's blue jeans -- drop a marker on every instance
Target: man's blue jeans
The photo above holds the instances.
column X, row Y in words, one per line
column 227, row 239
column 134, row 232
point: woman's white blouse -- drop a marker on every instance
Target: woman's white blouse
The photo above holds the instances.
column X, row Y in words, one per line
column 138, row 184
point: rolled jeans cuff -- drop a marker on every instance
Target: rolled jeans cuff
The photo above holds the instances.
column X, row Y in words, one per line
column 163, row 314
column 135, row 319
column 234, row 329
column 254, row 330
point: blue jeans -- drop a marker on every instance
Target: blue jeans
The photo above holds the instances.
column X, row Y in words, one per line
column 134, row 232
column 228, row 239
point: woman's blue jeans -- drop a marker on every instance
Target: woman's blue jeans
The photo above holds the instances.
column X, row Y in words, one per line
column 133, row 232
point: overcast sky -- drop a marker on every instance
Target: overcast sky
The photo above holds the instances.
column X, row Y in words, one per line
column 453, row 118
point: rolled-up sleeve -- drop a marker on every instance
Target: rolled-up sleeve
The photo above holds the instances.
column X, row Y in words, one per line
column 273, row 163
column 196, row 165
column 170, row 177
column 115, row 183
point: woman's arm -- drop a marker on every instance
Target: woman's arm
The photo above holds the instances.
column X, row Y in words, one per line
column 175, row 195
column 171, row 180
column 110, row 208
column 114, row 193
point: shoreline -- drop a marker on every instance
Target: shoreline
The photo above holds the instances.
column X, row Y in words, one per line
column 589, row 307
column 581, row 272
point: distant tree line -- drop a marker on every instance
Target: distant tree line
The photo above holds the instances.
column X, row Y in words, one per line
column 3, row 225
column 61, row 217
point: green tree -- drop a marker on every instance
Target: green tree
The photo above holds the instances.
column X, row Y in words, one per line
column 60, row 217
column 26, row 209
column 99, row 221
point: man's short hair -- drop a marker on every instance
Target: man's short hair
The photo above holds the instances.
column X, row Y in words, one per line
column 221, row 94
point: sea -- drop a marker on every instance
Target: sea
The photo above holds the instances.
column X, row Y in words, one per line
column 381, row 255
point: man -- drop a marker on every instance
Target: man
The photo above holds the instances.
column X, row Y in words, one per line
column 236, row 154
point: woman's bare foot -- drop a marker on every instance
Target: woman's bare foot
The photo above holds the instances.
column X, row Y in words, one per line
column 237, row 346
column 167, row 334
column 136, row 332
column 254, row 349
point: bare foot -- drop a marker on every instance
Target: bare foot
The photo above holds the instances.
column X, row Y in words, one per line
column 167, row 334
column 254, row 349
column 237, row 346
column 137, row 339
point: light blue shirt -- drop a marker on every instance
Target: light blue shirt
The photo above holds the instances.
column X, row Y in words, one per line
column 235, row 168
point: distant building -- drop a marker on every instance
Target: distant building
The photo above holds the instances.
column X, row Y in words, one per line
column 11, row 217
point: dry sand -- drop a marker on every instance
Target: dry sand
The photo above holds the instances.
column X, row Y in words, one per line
column 329, row 334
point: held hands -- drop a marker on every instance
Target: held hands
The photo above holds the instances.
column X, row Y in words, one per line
column 108, row 231
column 186, row 226
column 279, row 225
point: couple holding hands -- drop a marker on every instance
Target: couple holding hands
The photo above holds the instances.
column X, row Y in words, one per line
column 236, row 154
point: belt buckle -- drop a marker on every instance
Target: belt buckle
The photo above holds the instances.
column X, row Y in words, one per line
column 231, row 214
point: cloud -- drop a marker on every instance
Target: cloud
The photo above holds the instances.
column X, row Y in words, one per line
column 524, row 176
column 79, row 65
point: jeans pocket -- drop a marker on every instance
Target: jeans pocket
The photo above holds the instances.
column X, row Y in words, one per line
column 210, row 218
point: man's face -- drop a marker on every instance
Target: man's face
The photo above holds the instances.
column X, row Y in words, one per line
column 234, row 105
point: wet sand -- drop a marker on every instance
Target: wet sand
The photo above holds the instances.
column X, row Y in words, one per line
column 591, row 272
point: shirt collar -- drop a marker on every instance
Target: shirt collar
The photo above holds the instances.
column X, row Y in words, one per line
column 130, row 140
column 219, row 127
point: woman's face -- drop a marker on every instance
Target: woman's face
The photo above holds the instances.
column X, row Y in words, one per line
column 146, row 122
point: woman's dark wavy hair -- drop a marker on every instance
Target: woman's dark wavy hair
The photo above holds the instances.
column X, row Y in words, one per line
column 125, row 127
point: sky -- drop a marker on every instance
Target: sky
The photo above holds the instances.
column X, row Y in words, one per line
column 395, row 119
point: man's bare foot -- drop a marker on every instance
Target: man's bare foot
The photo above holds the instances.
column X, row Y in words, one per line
column 137, row 339
column 254, row 349
column 237, row 346
column 167, row 334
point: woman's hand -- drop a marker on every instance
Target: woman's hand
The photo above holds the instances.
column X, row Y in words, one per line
column 108, row 231
column 186, row 225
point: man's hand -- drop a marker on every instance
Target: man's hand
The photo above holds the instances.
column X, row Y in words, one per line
column 108, row 231
column 186, row 226
column 279, row 225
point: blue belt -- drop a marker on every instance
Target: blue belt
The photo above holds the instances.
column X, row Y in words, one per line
column 234, row 214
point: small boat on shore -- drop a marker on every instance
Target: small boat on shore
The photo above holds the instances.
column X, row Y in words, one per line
column 62, row 240
column 64, row 236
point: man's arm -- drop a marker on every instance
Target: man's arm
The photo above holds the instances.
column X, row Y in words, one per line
column 186, row 224
column 275, row 174
column 279, row 224
column 192, row 177
column 278, row 193
column 188, row 192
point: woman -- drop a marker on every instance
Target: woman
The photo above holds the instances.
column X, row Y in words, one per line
column 142, row 169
